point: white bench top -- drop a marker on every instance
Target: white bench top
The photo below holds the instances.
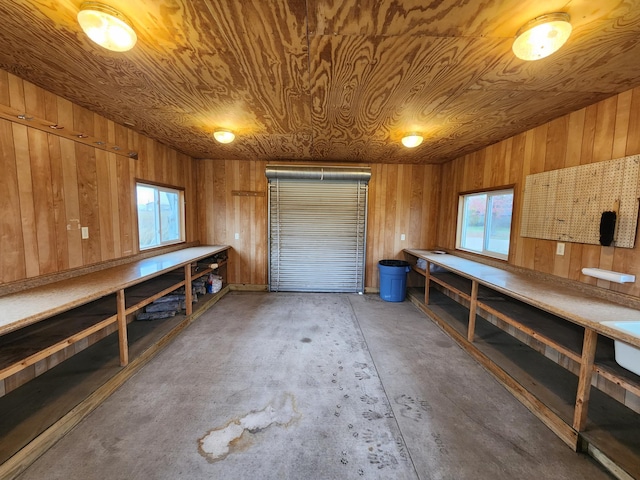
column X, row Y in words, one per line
column 23, row 308
column 569, row 303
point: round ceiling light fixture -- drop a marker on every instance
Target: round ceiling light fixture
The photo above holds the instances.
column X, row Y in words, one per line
column 542, row 36
column 412, row 140
column 224, row 136
column 106, row 26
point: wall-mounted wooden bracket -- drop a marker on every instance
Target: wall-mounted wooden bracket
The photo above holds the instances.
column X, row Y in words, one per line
column 23, row 118
column 247, row 193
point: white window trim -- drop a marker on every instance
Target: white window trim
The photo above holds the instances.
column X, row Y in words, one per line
column 162, row 188
column 484, row 252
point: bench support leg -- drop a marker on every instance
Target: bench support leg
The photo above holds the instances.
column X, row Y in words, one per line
column 584, row 380
column 122, row 329
column 473, row 305
column 188, row 290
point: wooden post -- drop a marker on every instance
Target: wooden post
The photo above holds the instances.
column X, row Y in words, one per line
column 122, row 329
column 427, row 280
column 584, row 381
column 473, row 303
column 188, row 289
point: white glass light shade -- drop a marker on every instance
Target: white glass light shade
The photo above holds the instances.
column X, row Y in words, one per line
column 224, row 136
column 106, row 26
column 412, row 140
column 542, row 36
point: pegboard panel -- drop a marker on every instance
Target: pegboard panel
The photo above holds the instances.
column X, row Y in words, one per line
column 567, row 204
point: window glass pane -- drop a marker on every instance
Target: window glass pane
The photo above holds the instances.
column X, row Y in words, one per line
column 473, row 222
column 485, row 223
column 148, row 225
column 160, row 215
column 169, row 216
column 499, row 224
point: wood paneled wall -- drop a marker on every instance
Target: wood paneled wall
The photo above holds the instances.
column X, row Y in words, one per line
column 603, row 131
column 222, row 214
column 402, row 199
column 50, row 186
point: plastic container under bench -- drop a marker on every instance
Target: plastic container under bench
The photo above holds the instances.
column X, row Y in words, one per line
column 627, row 356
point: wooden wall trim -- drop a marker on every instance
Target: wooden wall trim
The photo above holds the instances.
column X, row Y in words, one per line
column 28, row 119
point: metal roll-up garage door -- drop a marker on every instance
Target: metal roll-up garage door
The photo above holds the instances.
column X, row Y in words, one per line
column 317, row 228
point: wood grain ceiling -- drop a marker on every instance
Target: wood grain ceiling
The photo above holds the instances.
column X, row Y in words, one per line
column 326, row 80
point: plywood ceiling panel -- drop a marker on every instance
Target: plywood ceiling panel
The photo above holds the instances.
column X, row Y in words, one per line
column 325, row 80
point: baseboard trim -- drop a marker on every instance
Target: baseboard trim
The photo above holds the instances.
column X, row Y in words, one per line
column 248, row 287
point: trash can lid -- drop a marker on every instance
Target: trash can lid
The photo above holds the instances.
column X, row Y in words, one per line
column 393, row 263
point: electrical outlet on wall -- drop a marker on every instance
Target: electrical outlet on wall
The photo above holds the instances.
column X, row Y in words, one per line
column 237, row 236
column 85, row 233
column 560, row 248
column 403, row 237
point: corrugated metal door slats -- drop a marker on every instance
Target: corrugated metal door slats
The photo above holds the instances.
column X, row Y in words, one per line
column 317, row 231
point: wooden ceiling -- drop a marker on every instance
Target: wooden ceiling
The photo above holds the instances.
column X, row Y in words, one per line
column 326, row 80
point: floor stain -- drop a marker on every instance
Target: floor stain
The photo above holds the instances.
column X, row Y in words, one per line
column 218, row 443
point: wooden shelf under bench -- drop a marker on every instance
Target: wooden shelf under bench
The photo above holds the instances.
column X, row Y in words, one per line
column 77, row 325
column 564, row 319
column 27, row 346
column 39, row 322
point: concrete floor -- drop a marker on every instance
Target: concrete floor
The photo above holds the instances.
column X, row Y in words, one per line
column 312, row 386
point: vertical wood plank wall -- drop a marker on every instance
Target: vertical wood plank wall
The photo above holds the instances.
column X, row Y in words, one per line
column 221, row 215
column 402, row 199
column 603, row 131
column 50, row 186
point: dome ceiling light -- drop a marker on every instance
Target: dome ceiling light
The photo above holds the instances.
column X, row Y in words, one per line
column 412, row 140
column 106, row 26
column 224, row 136
column 542, row 36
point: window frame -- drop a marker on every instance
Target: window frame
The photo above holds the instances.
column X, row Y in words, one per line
column 159, row 187
column 490, row 192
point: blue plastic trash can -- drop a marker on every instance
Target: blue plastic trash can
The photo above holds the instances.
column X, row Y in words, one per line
column 393, row 279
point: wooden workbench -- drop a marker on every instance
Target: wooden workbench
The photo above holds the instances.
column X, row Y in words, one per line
column 72, row 309
column 568, row 320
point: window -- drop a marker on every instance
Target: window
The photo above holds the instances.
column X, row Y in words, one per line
column 484, row 223
column 160, row 215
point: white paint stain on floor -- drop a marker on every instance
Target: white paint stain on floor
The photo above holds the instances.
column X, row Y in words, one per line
column 217, row 444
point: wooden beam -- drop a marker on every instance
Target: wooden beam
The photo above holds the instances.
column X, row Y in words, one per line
column 473, row 304
column 56, row 347
column 122, row 329
column 248, row 287
column 556, row 345
column 615, row 378
column 188, row 290
column 427, row 282
column 247, row 193
column 584, row 380
column 152, row 298
column 64, row 131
